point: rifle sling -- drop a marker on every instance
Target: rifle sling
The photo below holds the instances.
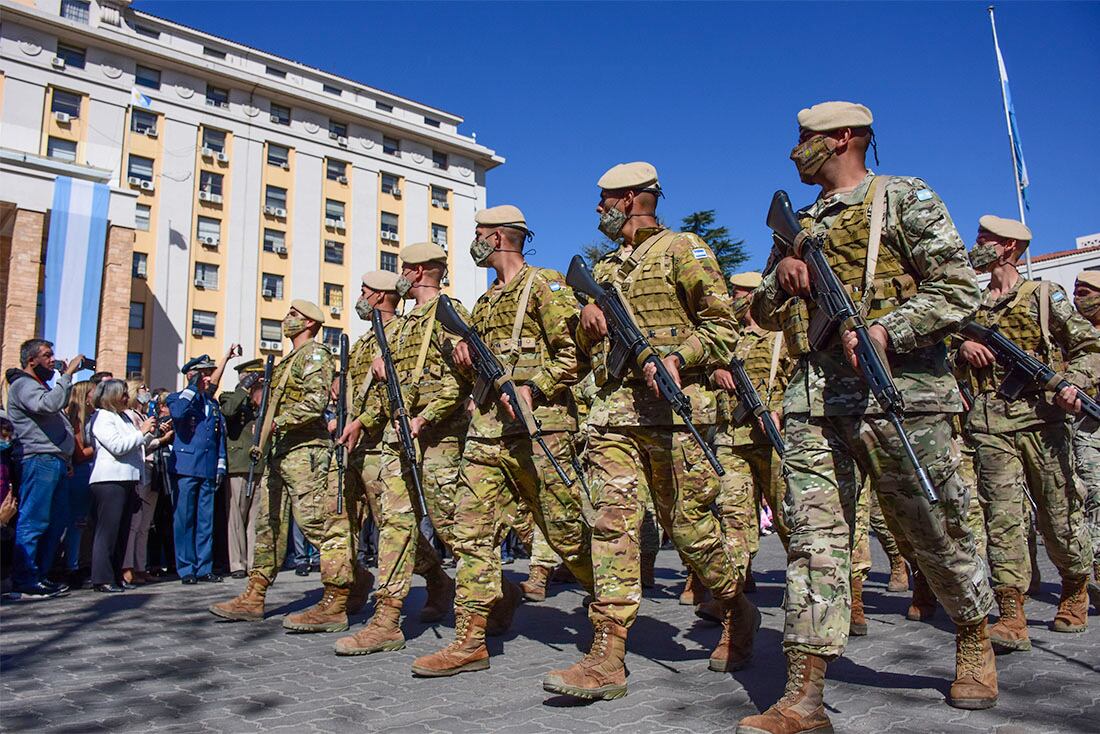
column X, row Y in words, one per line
column 273, row 400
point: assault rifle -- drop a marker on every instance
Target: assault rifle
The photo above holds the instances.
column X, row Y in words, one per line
column 835, row 310
column 258, row 427
column 397, row 405
column 750, row 404
column 341, row 420
column 628, row 344
column 1023, row 369
column 491, row 374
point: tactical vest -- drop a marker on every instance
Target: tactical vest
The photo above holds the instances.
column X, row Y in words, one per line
column 419, row 387
column 359, row 363
column 526, row 353
column 1016, row 322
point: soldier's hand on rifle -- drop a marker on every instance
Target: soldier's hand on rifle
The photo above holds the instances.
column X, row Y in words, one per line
column 593, row 321
column 350, row 437
column 672, row 364
column 461, row 355
column 416, row 425
column 793, row 276
column 524, row 393
column 851, row 341
column 378, row 368
column 724, row 379
column 331, row 426
column 977, row 354
column 1068, row 400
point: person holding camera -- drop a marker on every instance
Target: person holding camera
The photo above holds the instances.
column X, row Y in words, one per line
column 44, row 448
column 240, row 408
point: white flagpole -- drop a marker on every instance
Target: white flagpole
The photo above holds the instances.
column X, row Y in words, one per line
column 1003, row 75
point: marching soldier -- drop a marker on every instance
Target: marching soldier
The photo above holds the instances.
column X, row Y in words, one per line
column 239, row 406
column 527, row 318
column 672, row 283
column 891, row 240
column 1086, row 440
column 296, row 479
column 1031, row 435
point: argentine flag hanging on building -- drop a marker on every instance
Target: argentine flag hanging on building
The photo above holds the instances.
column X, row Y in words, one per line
column 1013, row 131
column 137, row 99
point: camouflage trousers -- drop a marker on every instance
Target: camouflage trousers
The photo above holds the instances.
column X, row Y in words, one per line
column 1044, row 456
column 541, row 552
column 400, row 541
column 498, row 477
column 1086, row 449
column 300, row 482
column 826, row 461
column 622, row 463
column 753, row 473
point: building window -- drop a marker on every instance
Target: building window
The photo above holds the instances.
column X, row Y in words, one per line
column 329, row 89
column 388, row 226
column 336, row 170
column 275, row 196
column 334, row 252
column 203, row 323
column 66, row 102
column 439, row 235
column 271, row 330
column 277, row 73
column 143, row 30
column 278, row 155
column 391, row 146
column 439, row 160
column 330, row 337
column 383, row 106
column 213, row 139
column 439, row 197
column 334, row 295
column 137, row 315
column 134, row 364
column 76, row 10
column 143, row 122
column 61, row 149
column 271, row 286
column 209, row 228
column 389, row 261
column 206, row 276
column 389, row 183
column 334, row 209
column 337, row 130
column 71, row 55
column 274, row 241
column 280, row 114
column 213, row 53
column 142, row 215
column 140, row 168
column 431, row 122
column 211, row 183
column 217, row 96
column 139, row 267
column 146, row 77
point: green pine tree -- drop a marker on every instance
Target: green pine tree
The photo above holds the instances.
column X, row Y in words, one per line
column 730, row 253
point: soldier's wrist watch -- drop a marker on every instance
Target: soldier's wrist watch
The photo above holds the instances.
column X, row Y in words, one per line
column 536, row 393
column 679, row 357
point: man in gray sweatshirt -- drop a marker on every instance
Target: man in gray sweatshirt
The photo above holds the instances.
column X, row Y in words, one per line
column 44, row 448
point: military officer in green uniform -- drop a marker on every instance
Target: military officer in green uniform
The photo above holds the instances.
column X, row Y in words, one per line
column 892, row 242
column 239, row 406
column 1031, row 435
column 527, row 318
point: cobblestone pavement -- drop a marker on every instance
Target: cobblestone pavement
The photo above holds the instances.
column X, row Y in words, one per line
column 153, row 659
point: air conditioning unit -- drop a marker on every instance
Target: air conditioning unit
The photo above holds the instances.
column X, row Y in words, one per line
column 279, row 249
column 332, row 135
column 58, row 63
column 147, row 186
column 271, row 346
column 286, row 166
column 142, row 271
column 342, row 179
column 435, row 203
column 268, row 293
column 391, row 236
column 445, row 205
column 207, row 152
column 441, row 242
column 204, row 195
column 133, row 181
column 331, row 222
column 150, row 132
column 273, row 118
column 196, row 332
column 63, row 117
column 269, row 210
column 339, row 224
column 396, row 192
column 215, row 198
column 222, row 157
column 200, row 283
column 335, row 310
column 342, row 141
column 280, row 213
column 209, row 240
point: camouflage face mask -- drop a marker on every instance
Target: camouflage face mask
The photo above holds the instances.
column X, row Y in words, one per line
column 1089, row 306
column 741, row 307
column 480, row 250
column 293, row 326
column 983, row 256
column 810, row 155
column 611, row 223
column 403, row 286
column 363, row 309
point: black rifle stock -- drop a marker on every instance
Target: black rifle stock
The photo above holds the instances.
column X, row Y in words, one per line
column 341, row 420
column 1023, row 369
column 835, row 310
column 397, row 406
column 491, row 374
column 627, row 344
column 750, row 404
column 258, row 427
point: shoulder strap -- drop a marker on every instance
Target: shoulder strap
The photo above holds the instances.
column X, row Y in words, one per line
column 273, row 401
column 427, row 342
column 878, row 219
column 521, row 308
column 777, row 346
column 638, row 253
column 1044, row 312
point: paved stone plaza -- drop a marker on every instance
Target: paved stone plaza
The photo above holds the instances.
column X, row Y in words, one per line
column 153, row 659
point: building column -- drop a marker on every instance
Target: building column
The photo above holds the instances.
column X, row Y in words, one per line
column 114, row 310
column 24, row 273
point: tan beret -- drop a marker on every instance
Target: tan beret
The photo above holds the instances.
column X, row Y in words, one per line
column 309, row 309
column 423, row 252
column 834, row 116
column 1010, row 229
column 381, row 280
column 1090, row 278
column 750, row 279
column 637, row 175
column 505, row 215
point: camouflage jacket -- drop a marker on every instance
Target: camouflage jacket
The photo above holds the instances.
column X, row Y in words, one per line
column 919, row 235
column 755, row 349
column 367, row 396
column 300, row 405
column 544, row 356
column 677, row 293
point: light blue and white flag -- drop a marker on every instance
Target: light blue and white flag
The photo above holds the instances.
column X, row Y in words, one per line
column 1013, row 131
column 74, row 266
column 137, row 99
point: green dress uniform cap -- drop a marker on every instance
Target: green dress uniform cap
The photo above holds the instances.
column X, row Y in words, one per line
column 1090, row 278
column 834, row 116
column 309, row 309
column 202, row 362
column 252, row 365
column 640, row 176
column 381, row 280
column 1010, row 229
column 751, row 279
column 423, row 252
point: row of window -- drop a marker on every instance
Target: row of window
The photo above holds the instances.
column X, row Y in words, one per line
column 205, row 323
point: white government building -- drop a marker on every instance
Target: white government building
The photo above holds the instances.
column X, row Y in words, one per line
column 248, row 180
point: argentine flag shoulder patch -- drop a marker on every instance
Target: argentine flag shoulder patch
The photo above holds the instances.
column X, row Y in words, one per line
column 555, row 286
column 924, row 195
column 699, row 253
column 1057, row 296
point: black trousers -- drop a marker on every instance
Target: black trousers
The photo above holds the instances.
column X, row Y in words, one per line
column 112, row 508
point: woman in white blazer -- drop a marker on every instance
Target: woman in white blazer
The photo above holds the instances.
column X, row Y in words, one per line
column 119, row 462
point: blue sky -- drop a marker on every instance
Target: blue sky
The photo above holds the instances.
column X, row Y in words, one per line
column 708, row 92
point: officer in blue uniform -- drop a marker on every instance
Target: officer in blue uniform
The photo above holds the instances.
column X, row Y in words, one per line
column 199, row 466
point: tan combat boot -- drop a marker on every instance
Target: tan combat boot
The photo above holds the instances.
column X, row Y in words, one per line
column 327, row 615
column 739, row 626
column 249, row 606
column 500, row 618
column 857, row 624
column 802, row 708
column 441, row 596
column 694, row 593
column 601, row 674
column 923, row 606
column 360, row 589
column 899, row 575
column 1073, row 606
column 649, row 562
column 534, row 588
column 381, row 634
column 467, row 653
column 711, row 611
column 975, row 684
column 1010, row 631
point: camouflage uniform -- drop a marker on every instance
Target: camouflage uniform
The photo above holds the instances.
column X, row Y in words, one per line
column 436, row 393
column 1031, row 436
column 1086, row 448
column 504, row 473
column 678, row 296
column 834, row 431
column 297, row 478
